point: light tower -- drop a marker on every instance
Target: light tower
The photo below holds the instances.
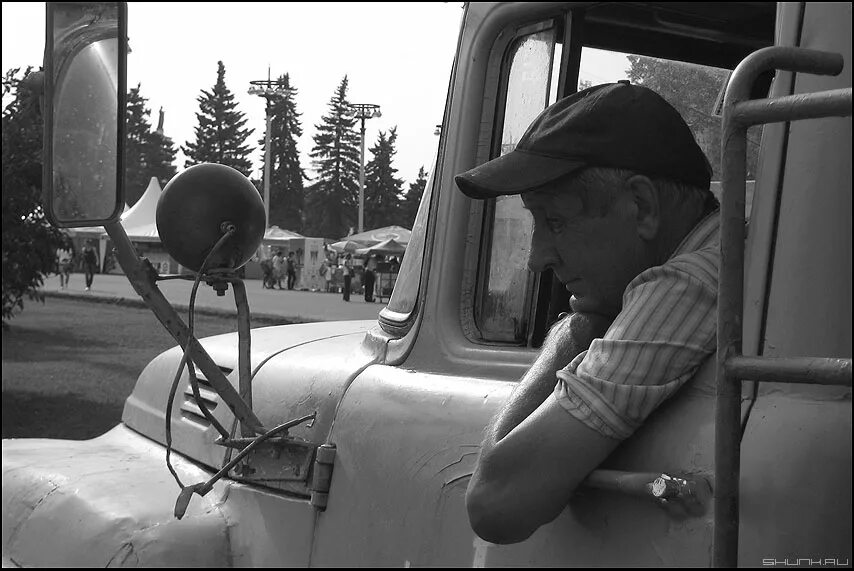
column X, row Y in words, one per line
column 363, row 111
column 269, row 90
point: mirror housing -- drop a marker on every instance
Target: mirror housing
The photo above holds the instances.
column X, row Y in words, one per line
column 84, row 120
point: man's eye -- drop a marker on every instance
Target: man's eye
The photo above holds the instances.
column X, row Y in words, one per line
column 554, row 224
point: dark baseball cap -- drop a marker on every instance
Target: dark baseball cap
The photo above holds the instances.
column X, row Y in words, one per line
column 612, row 125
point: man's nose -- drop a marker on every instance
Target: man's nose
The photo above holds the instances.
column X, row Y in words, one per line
column 543, row 254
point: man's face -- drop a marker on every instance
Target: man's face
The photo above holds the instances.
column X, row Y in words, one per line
column 594, row 256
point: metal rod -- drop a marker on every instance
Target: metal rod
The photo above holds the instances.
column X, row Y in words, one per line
column 244, row 352
column 631, row 483
column 362, row 182
column 141, row 278
column 807, row 370
column 731, row 282
column 267, row 166
column 730, row 311
column 831, row 103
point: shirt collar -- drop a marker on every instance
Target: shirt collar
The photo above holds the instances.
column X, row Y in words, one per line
column 705, row 233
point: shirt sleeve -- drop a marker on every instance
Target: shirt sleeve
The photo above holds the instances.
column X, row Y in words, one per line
column 666, row 330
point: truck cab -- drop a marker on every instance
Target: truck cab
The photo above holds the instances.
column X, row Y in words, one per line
column 388, row 415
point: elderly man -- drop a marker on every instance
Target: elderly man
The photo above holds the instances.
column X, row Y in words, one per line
column 619, row 193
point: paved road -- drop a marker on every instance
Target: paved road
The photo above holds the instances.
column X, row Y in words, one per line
column 294, row 305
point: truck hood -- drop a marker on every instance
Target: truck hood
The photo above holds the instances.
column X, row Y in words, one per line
column 301, row 369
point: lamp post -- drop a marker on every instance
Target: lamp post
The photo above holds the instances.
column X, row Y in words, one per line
column 363, row 111
column 268, row 89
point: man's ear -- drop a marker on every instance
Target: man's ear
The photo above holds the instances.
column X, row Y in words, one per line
column 648, row 215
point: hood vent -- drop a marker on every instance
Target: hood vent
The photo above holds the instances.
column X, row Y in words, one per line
column 190, row 410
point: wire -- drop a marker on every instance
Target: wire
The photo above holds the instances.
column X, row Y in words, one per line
column 185, row 358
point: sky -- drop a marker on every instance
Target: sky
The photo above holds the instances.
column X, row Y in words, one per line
column 396, row 54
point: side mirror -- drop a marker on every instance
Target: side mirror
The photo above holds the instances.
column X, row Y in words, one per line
column 85, row 87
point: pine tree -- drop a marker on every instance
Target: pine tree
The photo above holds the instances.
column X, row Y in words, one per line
column 161, row 154
column 409, row 204
column 137, row 128
column 220, row 136
column 287, row 194
column 332, row 201
column 147, row 153
column 382, row 187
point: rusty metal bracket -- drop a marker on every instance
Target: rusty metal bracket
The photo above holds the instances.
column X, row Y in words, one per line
column 322, row 477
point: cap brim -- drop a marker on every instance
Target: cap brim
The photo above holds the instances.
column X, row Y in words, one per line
column 514, row 173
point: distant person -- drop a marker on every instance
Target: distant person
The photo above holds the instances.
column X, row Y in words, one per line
column 64, row 259
column 267, row 273
column 90, row 263
column 291, row 267
column 324, row 276
column 347, row 274
column 370, row 278
column 278, row 269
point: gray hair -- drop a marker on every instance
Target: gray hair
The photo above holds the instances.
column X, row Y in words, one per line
column 598, row 188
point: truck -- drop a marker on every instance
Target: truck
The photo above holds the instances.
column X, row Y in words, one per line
column 352, row 443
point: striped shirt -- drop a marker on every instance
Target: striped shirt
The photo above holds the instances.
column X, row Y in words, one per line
column 665, row 331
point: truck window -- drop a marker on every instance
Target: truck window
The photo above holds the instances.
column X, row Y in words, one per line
column 506, row 292
column 506, row 286
column 696, row 91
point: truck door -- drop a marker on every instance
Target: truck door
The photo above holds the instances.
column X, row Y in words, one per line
column 408, row 431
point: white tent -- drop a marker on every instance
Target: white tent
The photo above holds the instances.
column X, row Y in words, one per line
column 377, row 235
column 390, row 247
column 276, row 234
column 139, row 221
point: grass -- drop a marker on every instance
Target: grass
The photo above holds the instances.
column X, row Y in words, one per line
column 68, row 364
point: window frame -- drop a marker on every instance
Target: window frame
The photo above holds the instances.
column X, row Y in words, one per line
column 566, row 23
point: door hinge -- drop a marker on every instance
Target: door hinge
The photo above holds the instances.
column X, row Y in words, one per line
column 322, row 476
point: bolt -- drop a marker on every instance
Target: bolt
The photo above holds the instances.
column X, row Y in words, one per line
column 666, row 487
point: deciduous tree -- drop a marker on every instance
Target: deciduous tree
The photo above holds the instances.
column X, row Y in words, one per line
column 693, row 91
column 29, row 242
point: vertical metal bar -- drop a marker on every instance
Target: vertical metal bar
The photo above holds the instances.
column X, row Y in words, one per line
column 244, row 353
column 267, row 157
column 362, row 181
column 731, row 280
column 730, row 301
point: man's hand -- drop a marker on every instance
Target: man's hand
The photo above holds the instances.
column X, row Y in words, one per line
column 574, row 334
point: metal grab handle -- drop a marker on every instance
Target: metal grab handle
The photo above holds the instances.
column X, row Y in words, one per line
column 681, row 496
column 738, row 114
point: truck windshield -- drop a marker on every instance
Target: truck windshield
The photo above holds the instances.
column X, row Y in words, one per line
column 403, row 299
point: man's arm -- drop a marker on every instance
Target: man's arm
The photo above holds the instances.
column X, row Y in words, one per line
column 535, row 453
